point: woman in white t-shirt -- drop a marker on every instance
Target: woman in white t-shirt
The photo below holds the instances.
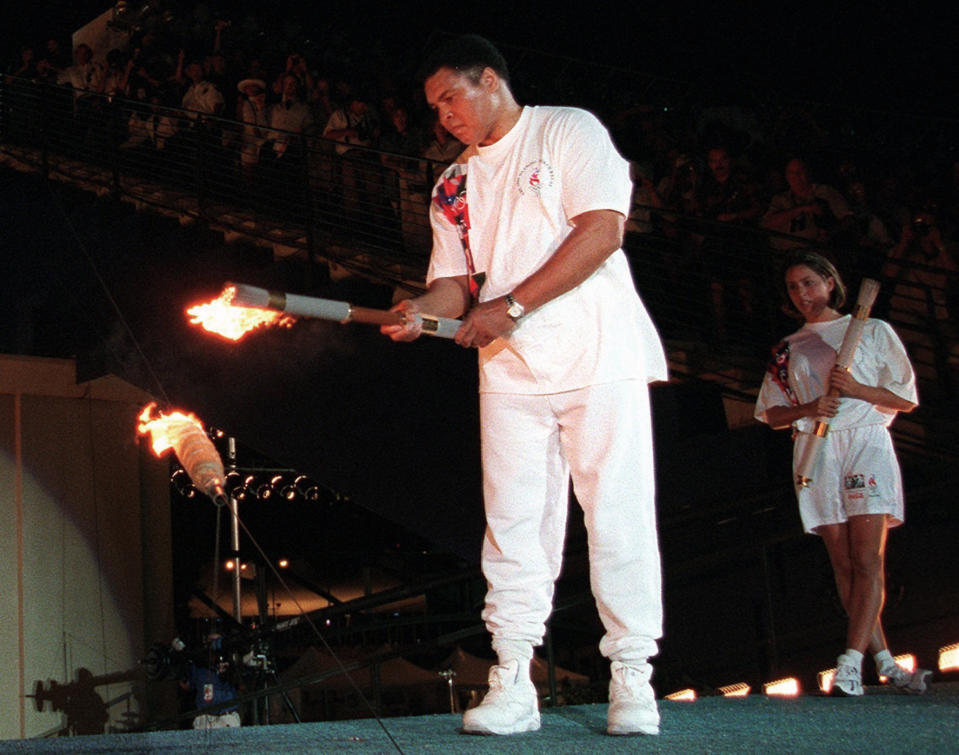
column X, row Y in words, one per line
column 856, row 494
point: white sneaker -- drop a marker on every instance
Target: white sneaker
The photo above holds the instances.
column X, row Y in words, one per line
column 510, row 707
column 632, row 704
column 847, row 682
column 910, row 682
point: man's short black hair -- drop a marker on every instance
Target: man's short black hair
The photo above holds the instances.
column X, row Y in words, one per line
column 469, row 54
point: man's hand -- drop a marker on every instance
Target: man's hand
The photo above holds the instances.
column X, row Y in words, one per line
column 484, row 323
column 412, row 325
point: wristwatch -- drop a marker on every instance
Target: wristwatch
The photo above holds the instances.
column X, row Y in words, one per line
column 513, row 308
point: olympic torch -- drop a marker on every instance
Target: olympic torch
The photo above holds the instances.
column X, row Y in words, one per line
column 184, row 433
column 242, row 308
column 868, row 291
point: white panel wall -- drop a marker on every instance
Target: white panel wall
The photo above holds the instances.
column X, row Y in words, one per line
column 82, row 502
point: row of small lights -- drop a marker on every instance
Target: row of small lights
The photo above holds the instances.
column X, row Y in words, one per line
column 245, row 486
column 789, row 687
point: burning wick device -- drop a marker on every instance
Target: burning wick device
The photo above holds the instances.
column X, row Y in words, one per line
column 242, row 308
column 184, row 433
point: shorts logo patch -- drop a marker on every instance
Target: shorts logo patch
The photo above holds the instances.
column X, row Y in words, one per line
column 855, row 481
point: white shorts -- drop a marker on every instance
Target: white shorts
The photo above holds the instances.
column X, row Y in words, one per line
column 228, row 720
column 857, row 473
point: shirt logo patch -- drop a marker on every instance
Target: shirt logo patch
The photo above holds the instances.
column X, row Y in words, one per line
column 534, row 177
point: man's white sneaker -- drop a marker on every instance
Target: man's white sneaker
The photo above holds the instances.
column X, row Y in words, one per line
column 632, row 704
column 510, row 706
column 847, row 681
column 910, row 682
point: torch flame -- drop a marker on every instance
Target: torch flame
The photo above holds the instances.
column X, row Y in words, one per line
column 221, row 317
column 196, row 453
column 163, row 428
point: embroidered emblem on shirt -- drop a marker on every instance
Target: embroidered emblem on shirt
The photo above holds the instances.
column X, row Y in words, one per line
column 534, row 177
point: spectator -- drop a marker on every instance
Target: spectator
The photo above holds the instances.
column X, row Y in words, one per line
column 872, row 239
column 407, row 184
column 442, row 148
column 680, row 189
column 354, row 128
column 811, row 213
column 290, row 116
column 255, row 117
column 150, row 127
column 116, row 77
column 201, row 96
column 924, row 271
column 296, row 67
column 320, row 100
column 26, row 67
column 352, row 125
column 57, row 59
column 85, row 75
column 728, row 196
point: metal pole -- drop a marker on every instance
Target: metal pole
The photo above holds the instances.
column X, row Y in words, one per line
column 235, row 536
column 235, row 544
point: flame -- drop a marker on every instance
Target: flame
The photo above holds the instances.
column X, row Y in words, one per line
column 221, row 317
column 163, row 428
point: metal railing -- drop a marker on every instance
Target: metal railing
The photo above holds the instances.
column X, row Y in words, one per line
column 710, row 286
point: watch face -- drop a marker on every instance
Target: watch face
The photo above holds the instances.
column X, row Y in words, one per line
column 514, row 310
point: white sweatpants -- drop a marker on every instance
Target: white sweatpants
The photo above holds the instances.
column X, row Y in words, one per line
column 531, row 444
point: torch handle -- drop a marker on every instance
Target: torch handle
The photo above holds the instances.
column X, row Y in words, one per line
column 868, row 291
column 329, row 309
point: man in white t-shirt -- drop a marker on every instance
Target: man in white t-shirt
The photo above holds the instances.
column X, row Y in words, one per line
column 527, row 233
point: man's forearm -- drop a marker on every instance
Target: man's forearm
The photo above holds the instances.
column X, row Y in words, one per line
column 595, row 236
column 446, row 297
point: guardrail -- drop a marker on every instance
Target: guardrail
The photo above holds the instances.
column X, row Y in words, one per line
column 712, row 287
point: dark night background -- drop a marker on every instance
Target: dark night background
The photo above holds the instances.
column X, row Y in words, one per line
column 885, row 56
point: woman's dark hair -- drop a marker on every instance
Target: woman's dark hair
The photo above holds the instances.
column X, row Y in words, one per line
column 469, row 54
column 822, row 267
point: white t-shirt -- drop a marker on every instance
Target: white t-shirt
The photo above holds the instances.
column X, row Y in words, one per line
column 203, row 97
column 799, row 372
column 521, row 192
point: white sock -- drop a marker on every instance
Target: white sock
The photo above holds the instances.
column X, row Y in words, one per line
column 514, row 650
column 854, row 656
column 883, row 659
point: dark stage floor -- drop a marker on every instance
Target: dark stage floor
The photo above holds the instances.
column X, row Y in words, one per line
column 878, row 722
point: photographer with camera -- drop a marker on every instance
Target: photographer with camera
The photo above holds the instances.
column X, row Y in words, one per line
column 211, row 685
column 296, row 66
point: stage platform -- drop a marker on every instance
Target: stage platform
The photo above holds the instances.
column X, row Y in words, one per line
column 878, row 722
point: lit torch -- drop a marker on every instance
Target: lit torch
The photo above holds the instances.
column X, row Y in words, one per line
column 233, row 321
column 242, row 308
column 184, row 433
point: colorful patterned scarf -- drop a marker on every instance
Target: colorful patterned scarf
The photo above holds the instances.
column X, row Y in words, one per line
column 778, row 367
column 450, row 197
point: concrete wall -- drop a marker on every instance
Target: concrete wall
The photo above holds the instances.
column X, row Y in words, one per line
column 85, row 578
